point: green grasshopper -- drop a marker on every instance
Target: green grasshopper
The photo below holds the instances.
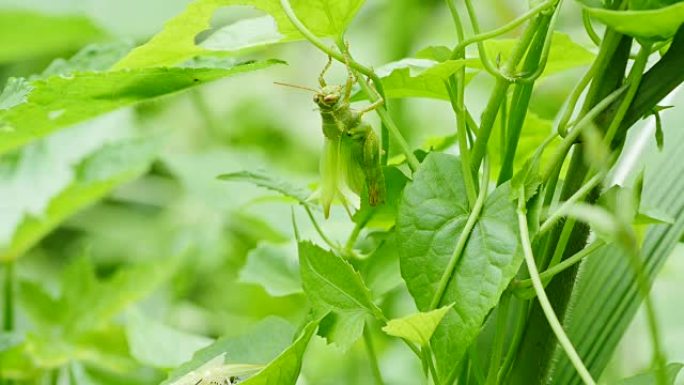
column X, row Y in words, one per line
column 351, row 153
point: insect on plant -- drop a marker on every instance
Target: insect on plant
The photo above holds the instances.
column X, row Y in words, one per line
column 351, row 151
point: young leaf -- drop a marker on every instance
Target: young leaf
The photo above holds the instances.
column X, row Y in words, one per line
column 651, row 24
column 25, row 35
column 57, row 102
column 176, row 42
column 158, row 345
column 262, row 179
column 432, row 214
column 332, row 283
column 274, row 267
column 383, row 216
column 649, row 378
column 417, row 328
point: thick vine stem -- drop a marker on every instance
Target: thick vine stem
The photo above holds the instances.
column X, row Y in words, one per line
column 347, row 60
column 544, row 302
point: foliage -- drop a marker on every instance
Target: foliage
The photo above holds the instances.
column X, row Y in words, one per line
column 514, row 246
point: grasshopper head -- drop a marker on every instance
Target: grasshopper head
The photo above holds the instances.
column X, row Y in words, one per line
column 328, row 97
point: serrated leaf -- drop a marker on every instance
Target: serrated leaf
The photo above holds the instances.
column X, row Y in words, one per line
column 432, row 214
column 343, row 329
column 25, row 34
column 274, row 267
column 263, row 179
column 260, row 345
column 176, row 42
column 649, row 378
column 57, row 102
column 649, row 24
column 158, row 345
column 331, row 283
column 418, row 327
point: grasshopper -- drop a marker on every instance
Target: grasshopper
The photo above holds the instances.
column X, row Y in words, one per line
column 351, row 153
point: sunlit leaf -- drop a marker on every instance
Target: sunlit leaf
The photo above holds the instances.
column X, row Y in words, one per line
column 59, row 101
column 176, row 42
column 25, row 34
column 649, row 378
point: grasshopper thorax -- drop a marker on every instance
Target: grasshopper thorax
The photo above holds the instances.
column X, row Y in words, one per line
column 328, row 97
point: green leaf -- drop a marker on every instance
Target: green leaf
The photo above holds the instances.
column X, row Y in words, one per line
column 53, row 178
column 331, row 283
column 534, row 132
column 93, row 58
column 260, row 345
column 155, row 344
column 274, row 267
column 649, row 378
column 432, row 214
column 649, row 24
column 26, row 35
column 59, row 101
column 284, row 370
column 262, row 179
column 176, row 42
column 343, row 329
column 381, row 269
column 417, row 328
column 418, row 78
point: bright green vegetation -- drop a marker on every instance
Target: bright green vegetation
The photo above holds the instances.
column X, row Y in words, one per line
column 493, row 207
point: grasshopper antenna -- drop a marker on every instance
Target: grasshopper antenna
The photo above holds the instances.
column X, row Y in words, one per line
column 296, row 86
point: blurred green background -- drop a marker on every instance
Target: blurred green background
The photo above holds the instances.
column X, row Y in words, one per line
column 177, row 214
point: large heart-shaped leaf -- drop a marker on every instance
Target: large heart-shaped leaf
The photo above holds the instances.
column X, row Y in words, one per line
column 432, row 215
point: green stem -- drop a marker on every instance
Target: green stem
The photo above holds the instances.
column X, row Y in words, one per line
column 549, row 273
column 651, row 321
column 555, row 325
column 566, row 206
column 586, row 120
column 633, row 81
column 499, row 339
column 497, row 96
column 8, row 290
column 511, row 354
column 372, row 357
column 456, row 89
column 319, row 230
column 461, row 243
column 503, row 29
column 586, row 20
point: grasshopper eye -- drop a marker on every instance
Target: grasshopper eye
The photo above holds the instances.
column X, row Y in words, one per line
column 332, row 98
